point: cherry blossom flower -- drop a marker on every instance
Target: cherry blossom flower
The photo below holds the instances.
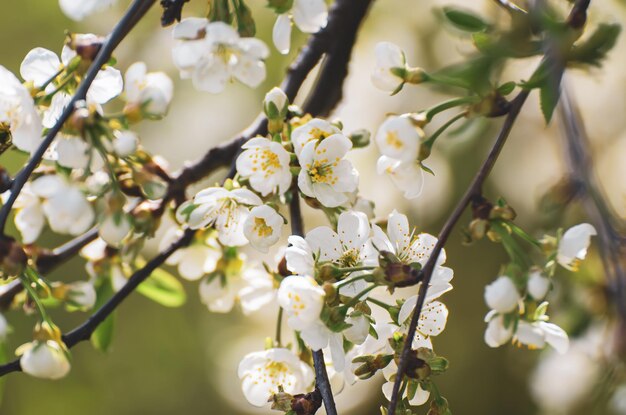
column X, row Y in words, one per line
column 325, row 174
column 302, row 299
column 224, row 209
column 79, row 9
column 262, row 373
column 390, row 61
column 52, row 198
column 75, row 153
column 409, row 247
column 194, row 261
column 114, row 229
column 149, row 92
column 263, row 227
column 313, row 130
column 125, row 143
column 309, row 15
column 574, row 244
column 252, row 286
column 17, row 113
column 432, row 320
column 41, row 65
column 399, row 141
column 212, row 54
column 502, row 295
column 265, row 164
column 497, row 333
column 348, row 247
column 82, row 294
column 44, row 359
column 537, row 334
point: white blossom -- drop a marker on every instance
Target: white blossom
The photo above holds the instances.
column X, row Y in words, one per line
column 389, row 59
column 125, row 143
column 45, row 359
column 114, row 229
column 75, row 153
column 497, row 333
column 263, row 227
column 502, row 295
column 18, row 113
column 261, row 374
column 150, row 91
column 224, row 209
column 309, row 15
column 538, row 285
column 82, row 294
column 265, row 164
column 410, row 247
column 407, row 176
column 275, row 103
column 314, row 130
column 398, row 138
column 432, row 320
column 302, row 299
column 212, row 54
column 574, row 244
column 535, row 335
column 358, row 330
column 41, row 64
column 325, row 174
column 79, row 9
column 193, row 261
column 257, row 291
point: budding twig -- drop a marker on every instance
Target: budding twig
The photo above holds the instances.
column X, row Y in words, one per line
column 85, row 330
column 134, row 13
column 322, row 382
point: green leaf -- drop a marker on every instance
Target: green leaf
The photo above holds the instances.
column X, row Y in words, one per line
column 549, row 97
column 507, row 88
column 102, row 337
column 465, row 20
column 163, row 288
column 245, row 22
column 593, row 50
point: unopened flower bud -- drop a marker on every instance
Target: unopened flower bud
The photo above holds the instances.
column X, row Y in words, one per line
column 502, row 295
column 478, row 228
column 370, row 365
column 125, row 143
column 82, row 294
column 538, row 285
column 86, row 46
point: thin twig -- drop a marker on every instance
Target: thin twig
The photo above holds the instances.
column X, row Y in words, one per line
column 85, row 330
column 474, row 190
column 132, row 16
column 322, row 382
column 609, row 226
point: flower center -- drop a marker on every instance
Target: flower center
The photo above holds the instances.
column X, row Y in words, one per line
column 322, row 172
column 349, row 258
column 297, row 304
column 266, row 160
column 261, row 228
column 393, row 140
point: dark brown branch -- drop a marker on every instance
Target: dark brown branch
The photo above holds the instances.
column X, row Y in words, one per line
column 130, row 19
column 474, row 190
column 84, row 331
column 336, row 41
column 322, row 382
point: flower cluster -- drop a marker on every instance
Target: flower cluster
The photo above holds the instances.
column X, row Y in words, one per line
column 517, row 301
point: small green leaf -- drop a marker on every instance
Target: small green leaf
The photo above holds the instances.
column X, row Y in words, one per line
column 549, row 97
column 465, row 20
column 245, row 22
column 507, row 88
column 102, row 337
column 593, row 50
column 163, row 288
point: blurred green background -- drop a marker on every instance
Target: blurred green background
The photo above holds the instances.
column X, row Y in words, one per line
column 184, row 360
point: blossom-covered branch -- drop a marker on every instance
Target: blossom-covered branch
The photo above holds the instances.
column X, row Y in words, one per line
column 135, row 12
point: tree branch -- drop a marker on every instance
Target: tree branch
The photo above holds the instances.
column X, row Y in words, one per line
column 322, row 382
column 134, row 13
column 609, row 226
column 474, row 190
column 84, row 331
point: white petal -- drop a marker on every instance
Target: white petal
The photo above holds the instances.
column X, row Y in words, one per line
column 281, row 34
column 107, row 85
column 39, row 66
column 310, row 15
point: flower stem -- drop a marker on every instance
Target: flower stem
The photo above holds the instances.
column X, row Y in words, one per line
column 431, row 140
column 446, row 105
column 279, row 324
